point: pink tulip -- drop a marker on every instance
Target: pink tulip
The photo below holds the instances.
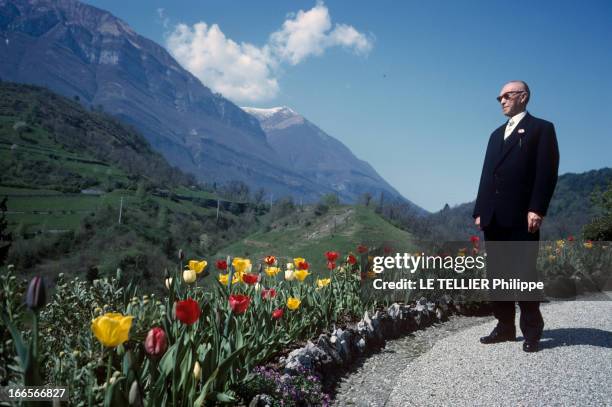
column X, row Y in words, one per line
column 156, row 342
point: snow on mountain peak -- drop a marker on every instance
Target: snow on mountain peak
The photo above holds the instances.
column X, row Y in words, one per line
column 263, row 114
column 275, row 117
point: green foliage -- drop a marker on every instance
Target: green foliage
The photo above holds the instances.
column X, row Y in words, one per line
column 330, row 200
column 601, row 227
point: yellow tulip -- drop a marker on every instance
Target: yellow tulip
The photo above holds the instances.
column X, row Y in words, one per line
column 322, row 282
column 241, row 265
column 197, row 266
column 301, row 274
column 272, row 271
column 293, row 303
column 289, row 275
column 551, row 257
column 197, row 371
column 588, row 245
column 560, row 243
column 112, row 329
column 189, row 276
column 224, row 278
column 298, row 260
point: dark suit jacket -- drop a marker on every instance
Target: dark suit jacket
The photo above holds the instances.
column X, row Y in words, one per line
column 519, row 174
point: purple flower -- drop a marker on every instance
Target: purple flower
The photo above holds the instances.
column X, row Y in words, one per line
column 36, row 297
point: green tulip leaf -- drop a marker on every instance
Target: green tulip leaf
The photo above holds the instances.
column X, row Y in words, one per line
column 17, row 340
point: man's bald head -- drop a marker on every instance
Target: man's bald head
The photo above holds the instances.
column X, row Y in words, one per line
column 514, row 97
column 524, row 86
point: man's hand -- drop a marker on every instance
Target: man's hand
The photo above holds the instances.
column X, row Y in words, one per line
column 477, row 222
column 534, row 221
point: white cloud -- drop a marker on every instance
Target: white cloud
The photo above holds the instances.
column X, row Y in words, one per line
column 239, row 71
column 247, row 73
column 161, row 13
column 310, row 33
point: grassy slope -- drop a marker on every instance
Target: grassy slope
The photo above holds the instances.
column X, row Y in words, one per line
column 304, row 234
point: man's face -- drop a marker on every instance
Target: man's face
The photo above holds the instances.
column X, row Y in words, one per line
column 513, row 98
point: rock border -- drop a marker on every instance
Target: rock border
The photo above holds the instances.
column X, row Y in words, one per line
column 339, row 348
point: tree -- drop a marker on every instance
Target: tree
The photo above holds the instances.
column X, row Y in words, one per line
column 601, row 227
column 365, row 199
column 330, row 200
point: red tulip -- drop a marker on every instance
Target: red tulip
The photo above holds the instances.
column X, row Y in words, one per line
column 250, row 278
column 570, row 238
column 303, row 265
column 331, row 265
column 474, row 239
column 270, row 260
column 222, row 264
column 268, row 293
column 362, row 249
column 351, row 259
column 239, row 303
column 387, row 250
column 187, row 311
column 156, row 342
column 277, row 313
column 331, row 256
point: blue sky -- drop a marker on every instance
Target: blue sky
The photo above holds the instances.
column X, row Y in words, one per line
column 412, row 88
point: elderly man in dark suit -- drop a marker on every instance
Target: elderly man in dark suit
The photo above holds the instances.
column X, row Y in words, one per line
column 517, row 182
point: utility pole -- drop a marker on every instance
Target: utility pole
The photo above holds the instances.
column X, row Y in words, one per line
column 218, row 204
column 120, row 209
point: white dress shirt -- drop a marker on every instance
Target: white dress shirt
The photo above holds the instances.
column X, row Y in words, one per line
column 515, row 121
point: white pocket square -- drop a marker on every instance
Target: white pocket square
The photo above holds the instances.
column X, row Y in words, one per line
column 521, row 131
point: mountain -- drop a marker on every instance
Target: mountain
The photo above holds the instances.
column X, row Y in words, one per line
column 312, row 153
column 80, row 51
column 571, row 208
column 87, row 54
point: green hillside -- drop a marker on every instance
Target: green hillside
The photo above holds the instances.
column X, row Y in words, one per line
column 68, row 173
column 309, row 234
column 571, row 208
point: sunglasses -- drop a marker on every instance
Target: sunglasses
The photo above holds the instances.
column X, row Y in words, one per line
column 508, row 95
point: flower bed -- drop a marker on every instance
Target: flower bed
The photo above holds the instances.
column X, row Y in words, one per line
column 205, row 340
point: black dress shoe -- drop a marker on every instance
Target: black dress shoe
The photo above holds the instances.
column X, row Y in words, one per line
column 531, row 346
column 496, row 337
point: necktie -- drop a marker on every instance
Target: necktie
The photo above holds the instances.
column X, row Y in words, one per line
column 508, row 129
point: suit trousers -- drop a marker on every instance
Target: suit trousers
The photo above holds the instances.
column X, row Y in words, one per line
column 512, row 253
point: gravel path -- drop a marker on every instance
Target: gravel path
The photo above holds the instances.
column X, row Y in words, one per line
column 573, row 367
column 371, row 380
